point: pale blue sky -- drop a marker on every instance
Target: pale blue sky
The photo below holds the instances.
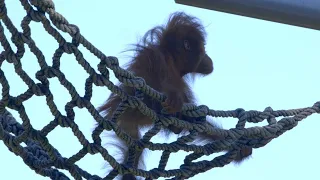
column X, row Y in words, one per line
column 257, row 64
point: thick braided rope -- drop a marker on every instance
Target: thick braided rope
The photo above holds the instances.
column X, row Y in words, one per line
column 41, row 156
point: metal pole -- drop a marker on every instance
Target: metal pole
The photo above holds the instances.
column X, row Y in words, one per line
column 304, row 13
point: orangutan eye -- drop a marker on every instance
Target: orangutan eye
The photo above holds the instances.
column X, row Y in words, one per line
column 187, row 45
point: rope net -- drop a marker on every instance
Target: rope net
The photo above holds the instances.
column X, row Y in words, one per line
column 45, row 160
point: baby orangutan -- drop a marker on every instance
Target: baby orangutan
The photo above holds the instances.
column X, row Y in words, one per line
column 165, row 55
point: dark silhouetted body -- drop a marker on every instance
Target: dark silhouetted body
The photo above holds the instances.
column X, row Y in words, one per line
column 165, row 55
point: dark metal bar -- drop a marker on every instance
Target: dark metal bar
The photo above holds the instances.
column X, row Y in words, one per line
column 304, row 13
